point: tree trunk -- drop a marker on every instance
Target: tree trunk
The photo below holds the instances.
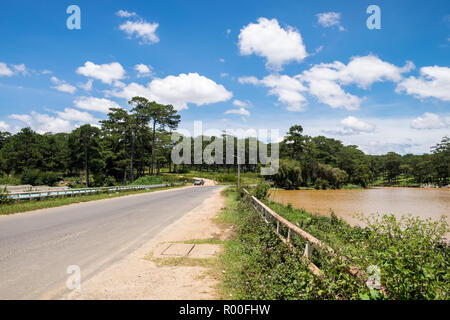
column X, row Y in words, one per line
column 86, row 163
column 153, row 146
column 133, row 140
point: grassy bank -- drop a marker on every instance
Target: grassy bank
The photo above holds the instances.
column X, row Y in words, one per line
column 412, row 260
column 24, row 206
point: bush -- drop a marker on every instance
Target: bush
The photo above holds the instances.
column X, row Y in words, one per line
column 335, row 177
column 10, row 180
column 261, row 191
column 147, row 180
column 36, row 178
column 4, row 197
column 183, row 170
column 321, row 184
column 50, row 178
column 226, row 178
column 411, row 254
column 32, row 177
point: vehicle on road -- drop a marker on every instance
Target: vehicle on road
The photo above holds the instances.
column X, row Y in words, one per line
column 199, row 182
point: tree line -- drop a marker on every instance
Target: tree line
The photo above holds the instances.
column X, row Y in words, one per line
column 135, row 143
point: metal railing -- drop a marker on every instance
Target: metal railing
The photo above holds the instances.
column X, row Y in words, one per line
column 312, row 243
column 30, row 195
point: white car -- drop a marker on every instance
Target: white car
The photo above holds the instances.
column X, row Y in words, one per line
column 199, row 182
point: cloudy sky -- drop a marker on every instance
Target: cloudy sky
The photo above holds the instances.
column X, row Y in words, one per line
column 234, row 65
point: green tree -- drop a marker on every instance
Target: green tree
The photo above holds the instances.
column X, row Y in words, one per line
column 85, row 153
column 289, row 175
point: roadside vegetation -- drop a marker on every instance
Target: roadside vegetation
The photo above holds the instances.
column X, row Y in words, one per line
column 10, row 206
column 411, row 254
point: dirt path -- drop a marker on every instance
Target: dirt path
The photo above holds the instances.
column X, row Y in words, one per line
column 135, row 277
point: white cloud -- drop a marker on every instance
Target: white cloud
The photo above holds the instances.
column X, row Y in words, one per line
column 330, row 19
column 357, row 125
column 430, row 121
column 241, row 111
column 95, row 104
column 76, row 115
column 287, row 89
column 86, row 86
column 177, row 90
column 20, row 68
column 325, row 80
column 62, row 86
column 4, row 70
column 43, row 123
column 239, row 103
column 143, row 70
column 433, row 82
column 46, row 72
column 103, row 72
column 267, row 39
column 352, row 126
column 142, row 29
column 125, row 14
column 4, row 126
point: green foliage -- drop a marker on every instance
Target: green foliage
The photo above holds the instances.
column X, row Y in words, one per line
column 4, row 197
column 329, row 176
column 10, row 180
column 289, row 175
column 261, row 191
column 412, row 254
column 322, row 184
column 147, row 180
column 36, row 178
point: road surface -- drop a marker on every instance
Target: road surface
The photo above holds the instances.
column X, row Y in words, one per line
column 36, row 248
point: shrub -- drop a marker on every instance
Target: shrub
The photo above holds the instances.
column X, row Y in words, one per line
column 147, row 180
column 10, row 180
column 50, row 178
column 4, row 197
column 261, row 191
column 226, row 178
column 335, row 177
column 411, row 254
column 35, row 177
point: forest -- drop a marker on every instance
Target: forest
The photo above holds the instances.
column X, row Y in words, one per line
column 136, row 143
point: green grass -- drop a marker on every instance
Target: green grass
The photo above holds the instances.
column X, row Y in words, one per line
column 24, row 206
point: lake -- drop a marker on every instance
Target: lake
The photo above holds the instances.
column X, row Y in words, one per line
column 425, row 203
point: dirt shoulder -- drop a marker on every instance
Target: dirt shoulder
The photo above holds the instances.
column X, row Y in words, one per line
column 138, row 277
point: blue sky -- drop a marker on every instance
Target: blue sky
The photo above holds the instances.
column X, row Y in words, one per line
column 234, row 65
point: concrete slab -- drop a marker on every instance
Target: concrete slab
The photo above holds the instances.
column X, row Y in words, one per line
column 204, row 251
column 178, row 250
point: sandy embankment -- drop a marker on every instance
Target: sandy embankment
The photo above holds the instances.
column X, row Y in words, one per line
column 134, row 277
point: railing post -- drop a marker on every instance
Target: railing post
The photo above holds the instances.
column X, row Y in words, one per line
column 278, row 227
column 308, row 250
column 289, row 235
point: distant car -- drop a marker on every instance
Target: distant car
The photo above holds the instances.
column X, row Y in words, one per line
column 199, row 182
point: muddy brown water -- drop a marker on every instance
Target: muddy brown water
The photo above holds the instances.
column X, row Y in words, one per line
column 425, row 203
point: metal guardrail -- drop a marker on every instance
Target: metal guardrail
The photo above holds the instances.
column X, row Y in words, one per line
column 312, row 243
column 30, row 195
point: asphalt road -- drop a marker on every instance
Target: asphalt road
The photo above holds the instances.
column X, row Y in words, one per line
column 36, row 248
